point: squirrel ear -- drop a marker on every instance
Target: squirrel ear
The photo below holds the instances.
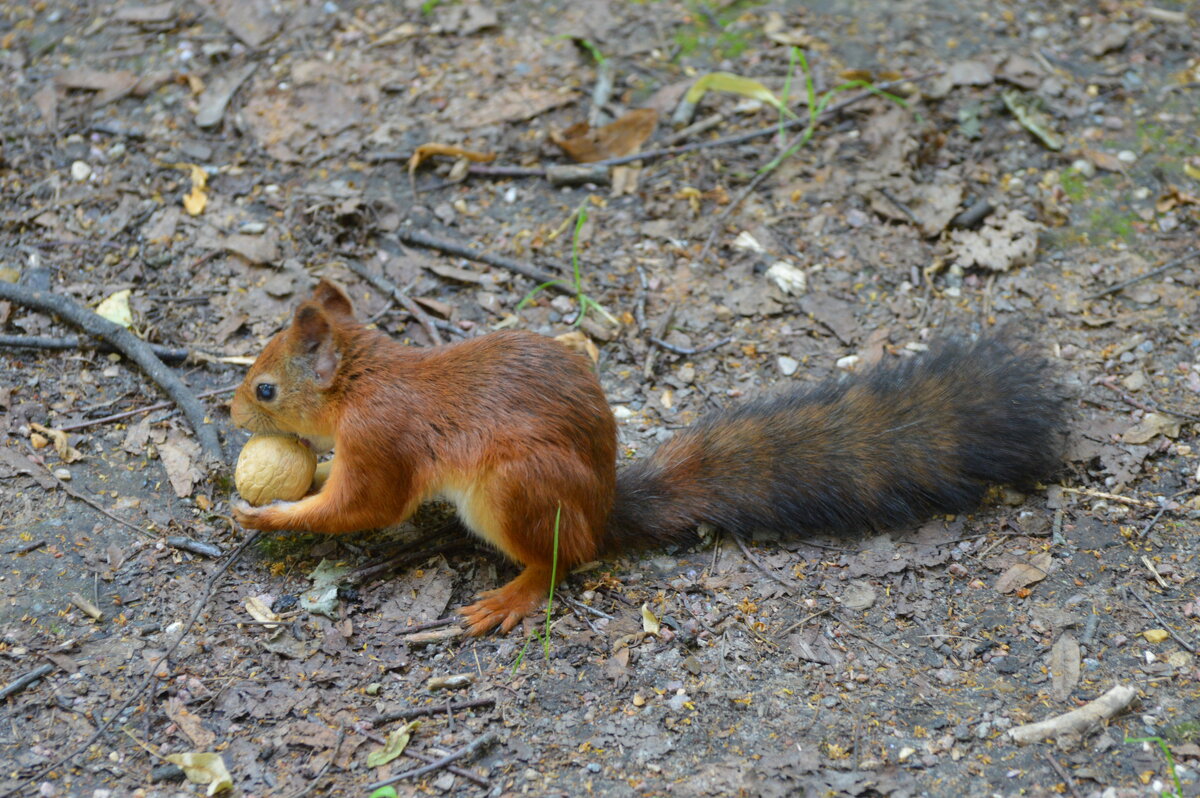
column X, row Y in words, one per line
column 330, row 296
column 316, row 342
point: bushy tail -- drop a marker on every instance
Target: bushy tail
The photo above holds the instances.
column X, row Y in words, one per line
column 882, row 449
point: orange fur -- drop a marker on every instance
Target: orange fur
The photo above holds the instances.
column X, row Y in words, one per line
column 506, row 426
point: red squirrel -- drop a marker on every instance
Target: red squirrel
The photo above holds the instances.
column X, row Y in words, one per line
column 512, row 426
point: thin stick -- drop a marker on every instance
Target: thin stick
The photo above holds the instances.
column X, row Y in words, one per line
column 21, row 682
column 679, row 350
column 760, row 565
column 74, row 494
column 422, row 239
column 1191, row 649
column 139, row 410
column 388, row 288
column 1062, row 774
column 420, row 712
column 102, row 727
column 469, row 748
column 739, row 138
column 133, row 348
column 1099, row 494
column 325, row 767
column 76, row 342
column 1171, row 264
column 663, row 325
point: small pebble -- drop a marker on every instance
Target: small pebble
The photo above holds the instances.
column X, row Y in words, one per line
column 848, row 362
column 253, row 228
column 80, row 171
column 788, row 366
column 1127, row 156
column 1084, row 167
column 63, row 474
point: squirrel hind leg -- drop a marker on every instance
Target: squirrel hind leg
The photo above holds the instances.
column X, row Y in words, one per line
column 507, row 606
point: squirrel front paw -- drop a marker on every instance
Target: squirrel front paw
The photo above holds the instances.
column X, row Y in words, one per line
column 245, row 514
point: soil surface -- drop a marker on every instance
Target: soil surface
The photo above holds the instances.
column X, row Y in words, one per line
column 198, row 165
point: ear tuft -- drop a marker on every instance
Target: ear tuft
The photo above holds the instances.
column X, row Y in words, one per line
column 332, row 299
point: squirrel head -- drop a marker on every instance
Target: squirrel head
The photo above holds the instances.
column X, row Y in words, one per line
column 291, row 384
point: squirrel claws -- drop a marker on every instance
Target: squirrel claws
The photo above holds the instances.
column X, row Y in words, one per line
column 505, row 608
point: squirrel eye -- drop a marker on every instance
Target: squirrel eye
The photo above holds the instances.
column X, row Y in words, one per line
column 265, row 391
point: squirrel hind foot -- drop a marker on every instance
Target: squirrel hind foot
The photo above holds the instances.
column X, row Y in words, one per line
column 508, row 606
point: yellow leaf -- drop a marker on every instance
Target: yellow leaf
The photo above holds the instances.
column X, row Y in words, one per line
column 649, row 622
column 260, row 611
column 397, row 741
column 204, row 769
column 195, row 200
column 115, row 308
column 1191, row 171
column 1156, row 635
column 734, row 84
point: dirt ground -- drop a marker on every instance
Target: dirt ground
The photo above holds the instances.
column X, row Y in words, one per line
column 212, row 159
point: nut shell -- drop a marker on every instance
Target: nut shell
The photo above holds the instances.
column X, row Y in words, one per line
column 274, row 467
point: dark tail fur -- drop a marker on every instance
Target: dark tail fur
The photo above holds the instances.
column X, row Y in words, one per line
column 882, row 449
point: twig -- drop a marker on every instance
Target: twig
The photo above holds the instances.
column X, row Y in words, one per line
column 151, row 674
column 399, row 560
column 740, row 138
column 75, row 342
column 1077, row 721
column 1152, row 407
column 1099, row 494
column 680, row 350
column 659, row 331
column 466, row 750
column 809, row 127
column 388, row 288
column 1171, row 264
column 74, row 494
column 438, row 624
column 803, row 621
column 133, row 348
column 455, row 769
column 21, row 682
column 420, row 712
column 904, row 209
column 760, row 565
column 422, row 239
column 1062, row 774
column 137, row 411
column 325, row 767
column 585, row 607
column 1191, row 649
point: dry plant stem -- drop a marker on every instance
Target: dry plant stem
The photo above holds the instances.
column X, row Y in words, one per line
column 760, row 565
column 1191, row 649
column 390, row 289
column 1148, row 408
column 422, row 239
column 1062, row 774
column 399, row 561
column 470, row 748
column 75, row 342
column 74, row 494
column 324, row 768
column 679, row 350
column 455, row 769
column 1171, row 264
column 133, row 348
column 1099, row 494
column 21, row 682
column 1079, row 720
column 137, row 411
column 740, row 138
column 420, row 712
column 209, row 586
column 663, row 325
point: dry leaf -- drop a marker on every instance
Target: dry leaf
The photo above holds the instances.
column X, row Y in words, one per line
column 203, row 768
column 1151, row 425
column 578, row 342
column 178, row 455
column 1023, row 574
column 513, row 105
column 1064, row 667
column 66, row 452
column 616, row 140
column 649, row 622
column 195, row 200
column 397, row 741
column 115, row 308
column 1105, row 160
column 1002, row 243
column 260, row 610
column 189, row 724
column 726, row 82
column 426, row 151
